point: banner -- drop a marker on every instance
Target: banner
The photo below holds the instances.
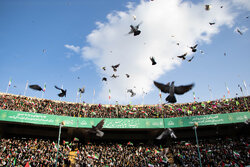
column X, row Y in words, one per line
column 123, row 123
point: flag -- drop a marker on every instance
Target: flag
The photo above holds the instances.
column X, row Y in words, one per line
column 10, row 82
column 236, row 154
column 26, row 87
column 160, row 93
column 187, row 144
column 194, row 96
column 228, row 92
column 27, row 164
column 245, row 85
column 76, row 139
column 130, row 143
column 147, row 150
column 109, row 94
column 119, row 147
column 156, row 151
column 95, row 156
column 44, row 88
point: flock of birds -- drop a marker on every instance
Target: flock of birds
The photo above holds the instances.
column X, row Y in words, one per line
column 165, row 88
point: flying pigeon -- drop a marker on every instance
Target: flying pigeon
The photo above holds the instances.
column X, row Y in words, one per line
column 132, row 93
column 104, row 68
column 104, row 79
column 191, row 59
column 114, row 76
column 127, row 76
column 153, row 60
column 97, row 129
column 183, row 57
column 207, row 7
column 63, row 92
column 171, row 89
column 135, row 30
column 194, row 48
column 35, row 87
column 239, row 32
column 212, row 23
column 82, row 90
column 115, row 67
column 165, row 133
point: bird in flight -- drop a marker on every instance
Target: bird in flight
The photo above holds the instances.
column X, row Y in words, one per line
column 115, row 67
column 165, row 133
column 153, row 60
column 132, row 92
column 63, row 92
column 97, row 129
column 114, row 76
column 135, row 30
column 194, row 48
column 35, row 87
column 183, row 57
column 171, row 89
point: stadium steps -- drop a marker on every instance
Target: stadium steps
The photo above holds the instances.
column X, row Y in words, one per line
column 72, row 157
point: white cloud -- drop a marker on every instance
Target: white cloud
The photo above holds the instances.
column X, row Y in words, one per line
column 73, row 48
column 242, row 4
column 109, row 43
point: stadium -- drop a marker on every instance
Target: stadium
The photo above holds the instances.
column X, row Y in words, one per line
column 131, row 83
column 40, row 132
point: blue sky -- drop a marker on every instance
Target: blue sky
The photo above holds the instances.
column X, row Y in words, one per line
column 55, row 42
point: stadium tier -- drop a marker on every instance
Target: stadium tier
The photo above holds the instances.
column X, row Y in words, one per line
column 29, row 133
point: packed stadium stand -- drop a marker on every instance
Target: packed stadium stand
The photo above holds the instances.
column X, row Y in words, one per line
column 29, row 131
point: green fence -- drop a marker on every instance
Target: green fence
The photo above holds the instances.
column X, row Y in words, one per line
column 122, row 123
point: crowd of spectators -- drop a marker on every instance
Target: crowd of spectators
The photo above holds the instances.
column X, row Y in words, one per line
column 37, row 105
column 42, row 152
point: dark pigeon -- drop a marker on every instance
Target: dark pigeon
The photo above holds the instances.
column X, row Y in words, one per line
column 212, row 23
column 132, row 93
column 239, row 32
column 191, row 59
column 153, row 60
column 63, row 92
column 194, row 48
column 104, row 68
column 104, row 79
column 82, row 90
column 127, row 76
column 165, row 133
column 171, row 89
column 135, row 30
column 114, row 76
column 115, row 67
column 97, row 129
column 35, row 87
column 183, row 57
column 207, row 7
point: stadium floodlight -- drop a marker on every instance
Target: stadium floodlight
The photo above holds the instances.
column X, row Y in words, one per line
column 59, row 136
column 195, row 127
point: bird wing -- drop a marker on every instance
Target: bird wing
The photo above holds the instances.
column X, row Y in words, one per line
column 195, row 46
column 35, row 87
column 58, row 88
column 183, row 89
column 116, row 66
column 100, row 125
column 162, row 87
column 162, row 135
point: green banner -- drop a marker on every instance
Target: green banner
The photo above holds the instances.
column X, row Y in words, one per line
column 123, row 123
column 204, row 120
